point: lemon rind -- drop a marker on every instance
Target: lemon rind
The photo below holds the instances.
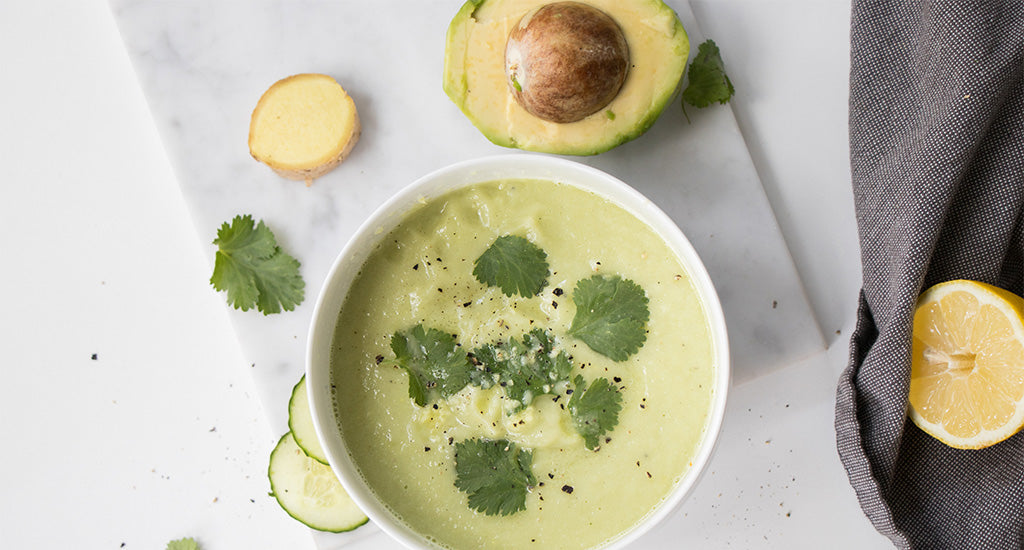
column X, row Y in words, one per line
column 1012, row 307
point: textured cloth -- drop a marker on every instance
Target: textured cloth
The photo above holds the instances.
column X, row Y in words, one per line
column 937, row 158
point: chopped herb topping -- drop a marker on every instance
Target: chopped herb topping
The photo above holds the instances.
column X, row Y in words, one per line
column 495, row 474
column 525, row 368
column 435, row 365
column 594, row 409
column 513, row 264
column 611, row 315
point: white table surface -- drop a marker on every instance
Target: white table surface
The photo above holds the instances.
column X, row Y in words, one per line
column 129, row 414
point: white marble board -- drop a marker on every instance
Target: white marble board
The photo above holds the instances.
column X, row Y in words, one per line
column 203, row 65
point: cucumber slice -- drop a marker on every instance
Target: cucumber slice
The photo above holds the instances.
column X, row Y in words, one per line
column 309, row 491
column 300, row 422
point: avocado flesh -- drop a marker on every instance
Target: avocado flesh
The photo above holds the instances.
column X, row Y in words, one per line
column 474, row 76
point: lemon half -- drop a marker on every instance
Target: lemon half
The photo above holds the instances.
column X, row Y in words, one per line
column 967, row 367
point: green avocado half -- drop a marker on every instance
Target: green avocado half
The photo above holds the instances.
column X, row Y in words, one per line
column 474, row 76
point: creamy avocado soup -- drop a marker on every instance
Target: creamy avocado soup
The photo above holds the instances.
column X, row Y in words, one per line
column 522, row 363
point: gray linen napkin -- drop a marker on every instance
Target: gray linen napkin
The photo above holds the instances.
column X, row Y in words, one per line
column 937, row 158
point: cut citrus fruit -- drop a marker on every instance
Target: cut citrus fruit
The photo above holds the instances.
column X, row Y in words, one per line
column 967, row 367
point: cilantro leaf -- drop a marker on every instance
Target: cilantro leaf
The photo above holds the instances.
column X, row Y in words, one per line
column 525, row 368
column 183, row 544
column 611, row 315
column 707, row 79
column 435, row 365
column 495, row 474
column 595, row 410
column 253, row 270
column 515, row 265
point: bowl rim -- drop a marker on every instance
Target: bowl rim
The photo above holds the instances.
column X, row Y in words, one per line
column 478, row 170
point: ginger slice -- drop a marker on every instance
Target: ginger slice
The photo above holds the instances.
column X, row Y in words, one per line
column 303, row 126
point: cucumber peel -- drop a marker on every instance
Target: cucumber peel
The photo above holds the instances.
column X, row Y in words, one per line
column 309, row 491
column 300, row 422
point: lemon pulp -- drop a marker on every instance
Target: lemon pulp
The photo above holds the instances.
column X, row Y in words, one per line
column 967, row 365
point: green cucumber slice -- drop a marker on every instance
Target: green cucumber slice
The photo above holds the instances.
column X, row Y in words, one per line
column 309, row 491
column 300, row 422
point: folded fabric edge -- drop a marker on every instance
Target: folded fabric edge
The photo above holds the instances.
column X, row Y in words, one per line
column 849, row 443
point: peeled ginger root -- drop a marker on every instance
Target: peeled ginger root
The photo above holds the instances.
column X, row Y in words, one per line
column 303, row 126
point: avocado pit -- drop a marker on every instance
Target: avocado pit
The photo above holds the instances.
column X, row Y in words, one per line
column 565, row 61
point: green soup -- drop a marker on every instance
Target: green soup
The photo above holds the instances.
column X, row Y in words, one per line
column 422, row 273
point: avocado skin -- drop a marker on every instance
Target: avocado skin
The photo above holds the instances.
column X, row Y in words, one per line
column 455, row 85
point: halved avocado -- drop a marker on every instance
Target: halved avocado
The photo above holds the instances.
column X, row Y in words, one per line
column 475, row 76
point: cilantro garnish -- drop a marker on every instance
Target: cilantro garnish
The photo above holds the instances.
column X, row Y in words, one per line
column 495, row 474
column 707, row 79
column 525, row 368
column 594, row 410
column 253, row 270
column 434, row 362
column 515, row 265
column 183, row 544
column 611, row 315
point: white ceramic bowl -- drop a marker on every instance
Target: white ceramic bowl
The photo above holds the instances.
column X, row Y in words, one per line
column 355, row 253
